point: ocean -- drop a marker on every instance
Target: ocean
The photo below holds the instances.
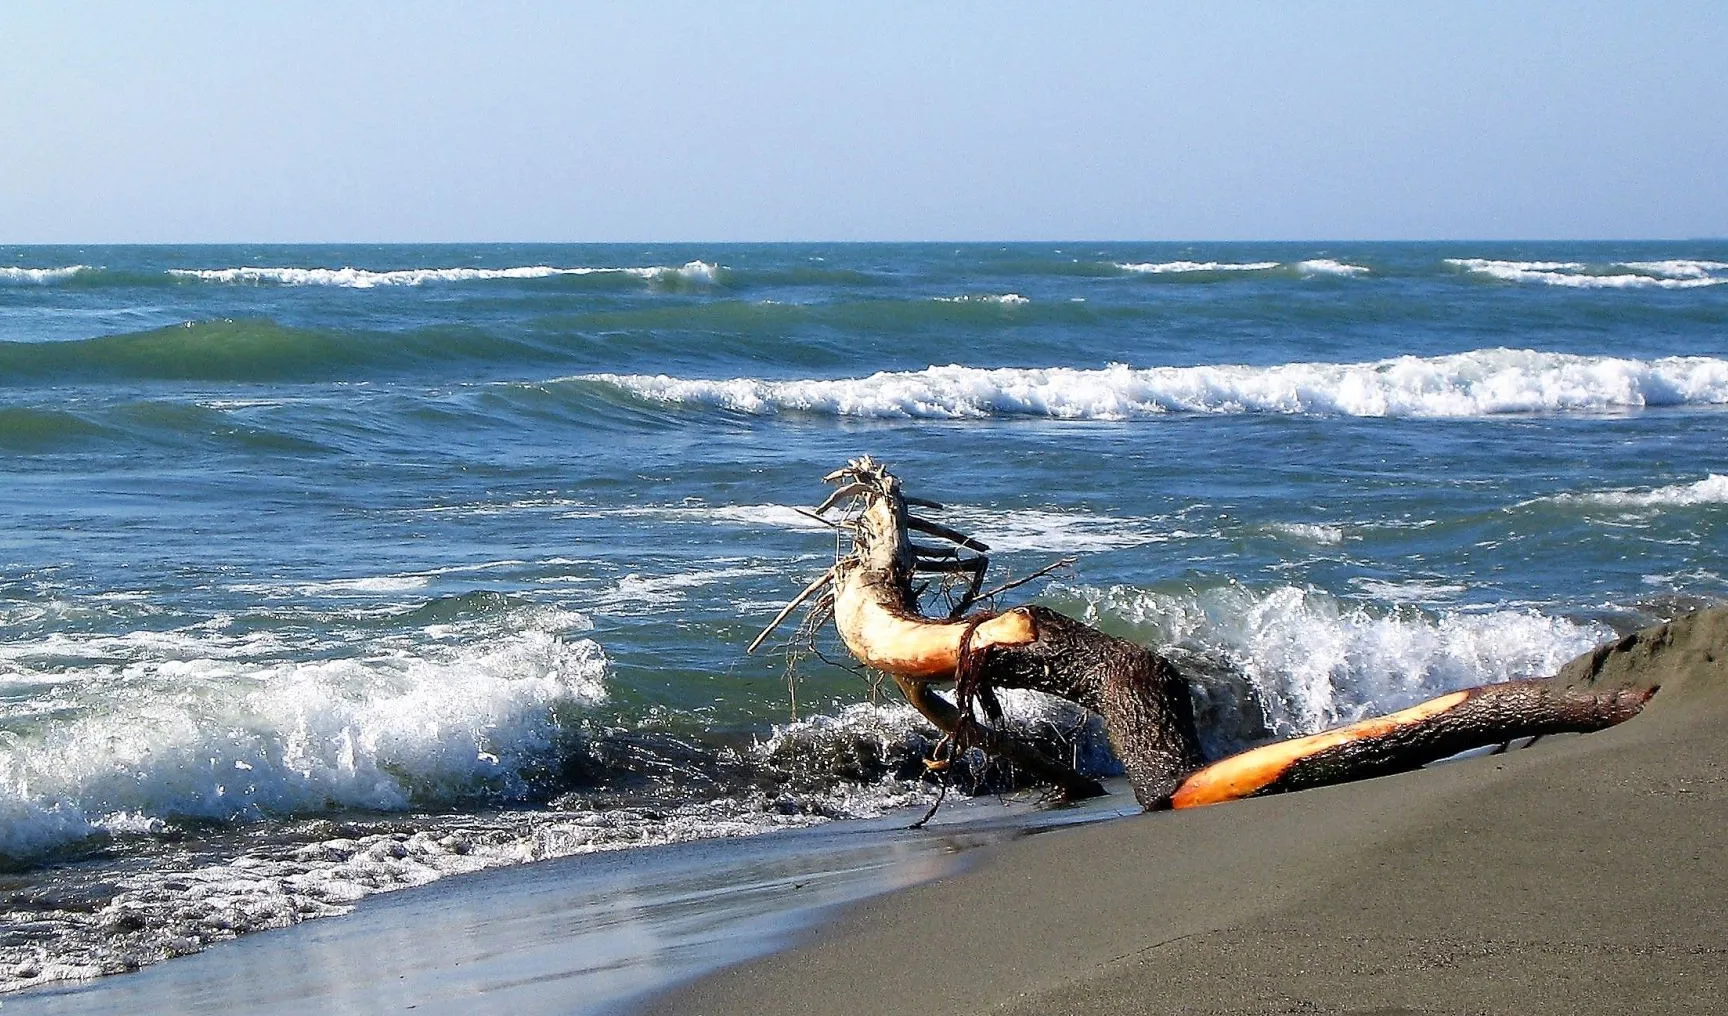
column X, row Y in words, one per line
column 329, row 571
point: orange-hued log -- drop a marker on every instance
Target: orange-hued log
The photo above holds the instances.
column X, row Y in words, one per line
column 1409, row 738
column 1253, row 771
column 906, row 645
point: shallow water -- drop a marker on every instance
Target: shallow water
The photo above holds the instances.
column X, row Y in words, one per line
column 330, row 570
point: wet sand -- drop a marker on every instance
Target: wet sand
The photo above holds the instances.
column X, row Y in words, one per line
column 586, row 934
column 1587, row 874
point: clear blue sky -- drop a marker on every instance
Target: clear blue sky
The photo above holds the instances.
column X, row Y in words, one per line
column 177, row 122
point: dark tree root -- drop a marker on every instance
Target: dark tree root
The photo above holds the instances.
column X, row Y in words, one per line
column 1144, row 700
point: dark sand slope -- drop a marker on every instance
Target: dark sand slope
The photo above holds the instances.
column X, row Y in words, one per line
column 1588, row 874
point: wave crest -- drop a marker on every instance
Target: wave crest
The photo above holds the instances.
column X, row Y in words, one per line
column 1310, row 267
column 1672, row 274
column 39, row 276
column 1479, row 383
column 1315, row 661
column 1713, row 489
column 188, row 727
column 361, row 278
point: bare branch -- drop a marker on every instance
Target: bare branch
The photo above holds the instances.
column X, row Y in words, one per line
column 1017, row 583
column 951, row 535
column 786, row 611
column 840, row 495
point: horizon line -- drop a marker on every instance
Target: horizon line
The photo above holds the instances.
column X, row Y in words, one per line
column 833, row 243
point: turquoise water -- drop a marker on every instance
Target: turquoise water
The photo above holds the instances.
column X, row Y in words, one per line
column 330, row 570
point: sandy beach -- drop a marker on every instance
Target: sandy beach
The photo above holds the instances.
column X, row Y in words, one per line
column 1586, row 874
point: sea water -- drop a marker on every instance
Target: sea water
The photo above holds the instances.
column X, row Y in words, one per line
column 326, row 571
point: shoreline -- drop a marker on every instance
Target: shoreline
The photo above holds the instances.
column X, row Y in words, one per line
column 1587, row 874
column 582, row 934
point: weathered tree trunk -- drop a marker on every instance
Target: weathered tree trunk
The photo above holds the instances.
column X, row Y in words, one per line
column 1143, row 698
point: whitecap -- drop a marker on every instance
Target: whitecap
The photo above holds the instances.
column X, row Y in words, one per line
column 1054, row 531
column 1678, row 268
column 1327, row 266
column 360, row 278
column 1309, row 532
column 1185, row 267
column 1316, row 661
column 1713, row 489
column 1478, row 383
column 185, row 724
column 1003, row 299
column 1578, row 275
column 41, row 276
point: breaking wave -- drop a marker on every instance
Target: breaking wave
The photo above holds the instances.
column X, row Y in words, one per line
column 1187, row 267
column 1478, row 383
column 691, row 273
column 1713, row 489
column 1327, row 266
column 1314, row 660
column 1004, row 299
column 1313, row 266
column 1672, row 274
column 360, row 278
column 39, row 276
column 191, row 725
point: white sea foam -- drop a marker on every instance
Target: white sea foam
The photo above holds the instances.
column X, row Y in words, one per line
column 1312, row 266
column 764, row 516
column 654, row 594
column 1317, row 661
column 1309, row 532
column 360, row 278
column 1183, row 267
column 1054, row 532
column 40, row 276
column 1478, row 383
column 186, row 724
column 1411, row 590
column 1713, row 489
column 1578, row 275
column 1678, row 268
column 1004, row 299
column 1327, row 266
column 172, row 909
column 179, row 905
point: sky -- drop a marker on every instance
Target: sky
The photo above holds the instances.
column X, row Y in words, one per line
column 429, row 121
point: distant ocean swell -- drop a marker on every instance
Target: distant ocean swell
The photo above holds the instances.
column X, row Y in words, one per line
column 359, row 278
column 1309, row 268
column 255, row 350
column 1672, row 273
column 350, row 277
column 1479, row 383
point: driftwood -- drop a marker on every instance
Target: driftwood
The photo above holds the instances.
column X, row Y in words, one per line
column 1144, row 700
